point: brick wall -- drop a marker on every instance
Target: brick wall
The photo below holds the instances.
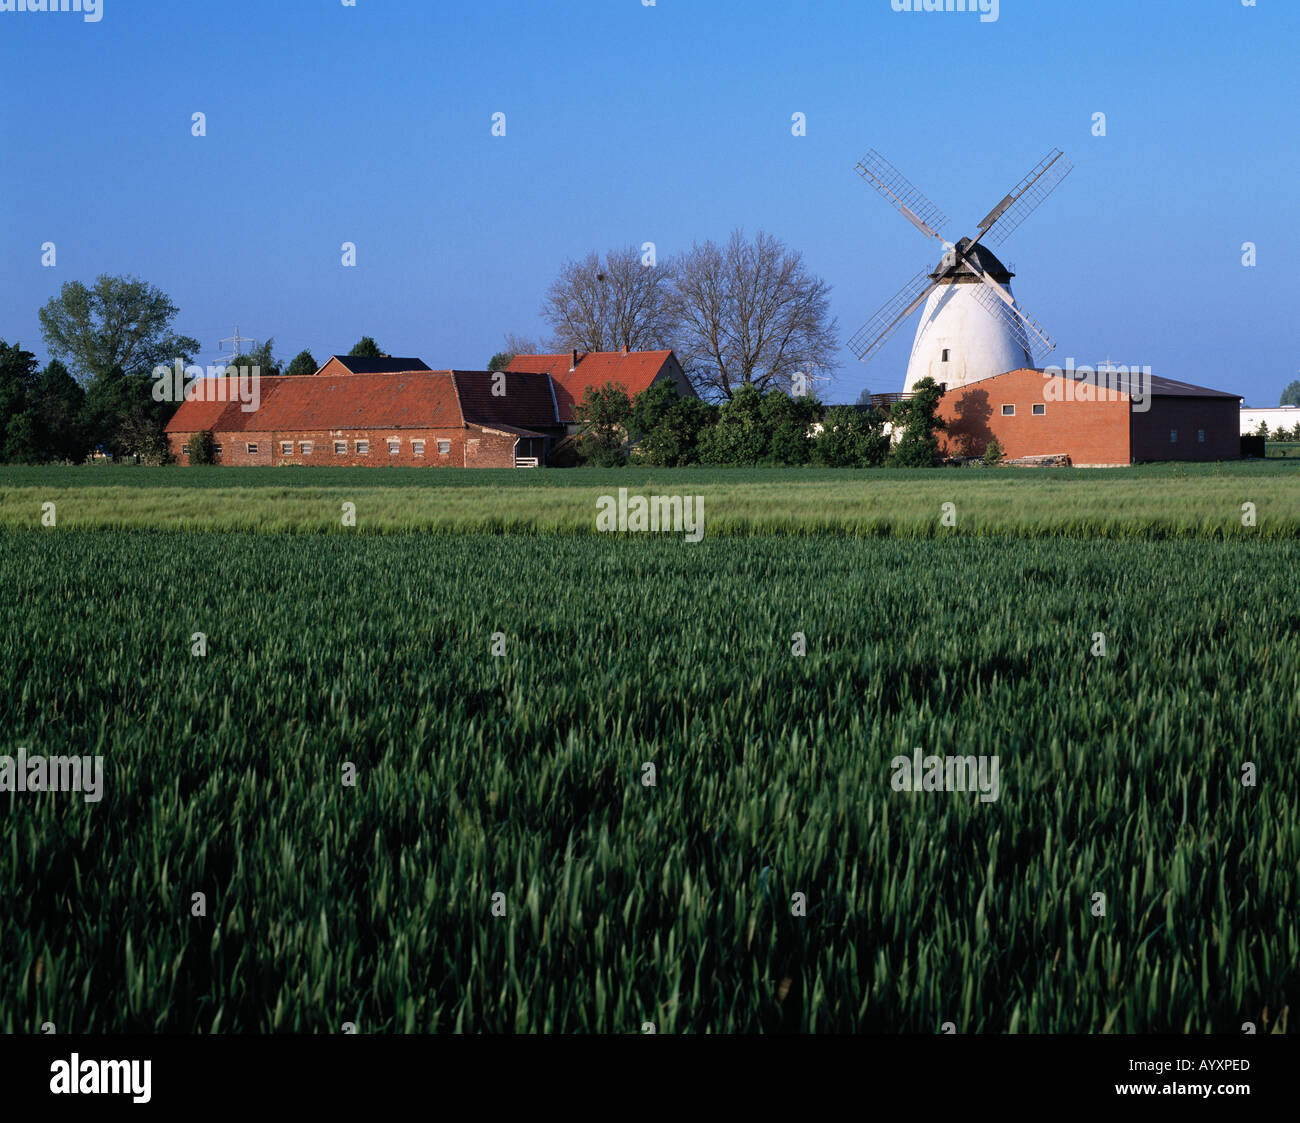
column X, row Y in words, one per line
column 1089, row 432
column 471, row 448
column 1217, row 418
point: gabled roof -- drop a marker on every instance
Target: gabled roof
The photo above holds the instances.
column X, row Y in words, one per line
column 212, row 403
column 635, row 371
column 357, row 364
column 422, row 399
column 526, row 400
column 1160, row 386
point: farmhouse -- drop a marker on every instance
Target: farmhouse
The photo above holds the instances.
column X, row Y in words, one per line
column 574, row 372
column 1106, row 419
column 448, row 418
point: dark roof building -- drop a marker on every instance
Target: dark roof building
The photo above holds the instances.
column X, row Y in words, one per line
column 357, row 364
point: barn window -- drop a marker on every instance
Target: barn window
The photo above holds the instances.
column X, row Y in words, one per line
column 945, row 355
column 304, row 447
column 1008, row 411
column 340, row 448
column 394, row 446
column 417, row 448
column 286, row 448
column 363, row 448
column 252, row 449
column 444, row 448
column 1173, row 436
column 216, row 450
column 1039, row 410
column 1200, row 436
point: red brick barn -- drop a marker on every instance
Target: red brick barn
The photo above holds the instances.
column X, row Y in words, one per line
column 412, row 418
column 1117, row 419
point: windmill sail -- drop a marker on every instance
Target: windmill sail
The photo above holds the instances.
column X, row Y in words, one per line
column 1025, row 198
column 894, row 186
column 869, row 338
column 1025, row 328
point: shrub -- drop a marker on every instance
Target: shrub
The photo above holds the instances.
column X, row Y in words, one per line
column 201, row 447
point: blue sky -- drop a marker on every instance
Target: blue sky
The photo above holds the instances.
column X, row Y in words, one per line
column 628, row 123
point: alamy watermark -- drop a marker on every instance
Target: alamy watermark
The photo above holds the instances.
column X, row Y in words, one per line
column 947, row 774
column 179, row 383
column 92, row 11
column 25, row 773
column 987, row 9
column 658, row 513
column 1109, row 382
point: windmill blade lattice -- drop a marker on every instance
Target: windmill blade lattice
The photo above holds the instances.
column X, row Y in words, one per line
column 869, row 338
column 1025, row 198
column 1029, row 334
column 895, row 187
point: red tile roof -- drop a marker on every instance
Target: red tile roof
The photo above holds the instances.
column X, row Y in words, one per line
column 523, row 401
column 421, row 399
column 409, row 400
column 635, row 371
column 212, row 403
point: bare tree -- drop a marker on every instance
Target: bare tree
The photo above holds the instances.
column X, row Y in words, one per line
column 520, row 345
column 750, row 312
column 624, row 301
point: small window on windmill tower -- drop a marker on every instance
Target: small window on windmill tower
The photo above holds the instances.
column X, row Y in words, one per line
column 944, row 359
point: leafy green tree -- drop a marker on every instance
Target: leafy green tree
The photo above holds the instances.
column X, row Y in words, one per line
column 666, row 426
column 17, row 381
column 993, row 453
column 202, row 447
column 739, row 435
column 789, row 421
column 58, row 400
column 109, row 398
column 851, row 438
column 24, row 439
column 604, row 413
column 1261, row 430
column 917, row 421
column 1291, row 395
column 112, row 335
column 118, row 323
column 303, row 363
column 500, row 361
column 366, row 348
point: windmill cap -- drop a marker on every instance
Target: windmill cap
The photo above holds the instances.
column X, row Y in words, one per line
column 984, row 257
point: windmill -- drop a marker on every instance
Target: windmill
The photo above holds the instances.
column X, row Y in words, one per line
column 972, row 327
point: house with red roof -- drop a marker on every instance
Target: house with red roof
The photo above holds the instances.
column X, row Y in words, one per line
column 573, row 372
column 358, row 411
column 447, row 418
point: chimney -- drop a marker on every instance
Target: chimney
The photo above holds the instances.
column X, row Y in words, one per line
column 575, row 360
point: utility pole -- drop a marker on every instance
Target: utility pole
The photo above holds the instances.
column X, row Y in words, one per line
column 235, row 340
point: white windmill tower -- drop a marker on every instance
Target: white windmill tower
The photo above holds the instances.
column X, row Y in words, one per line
column 972, row 327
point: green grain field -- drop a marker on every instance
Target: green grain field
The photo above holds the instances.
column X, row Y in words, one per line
column 1156, row 501
column 522, row 774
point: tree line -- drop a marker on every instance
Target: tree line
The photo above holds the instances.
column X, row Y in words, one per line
column 96, row 393
column 661, row 428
